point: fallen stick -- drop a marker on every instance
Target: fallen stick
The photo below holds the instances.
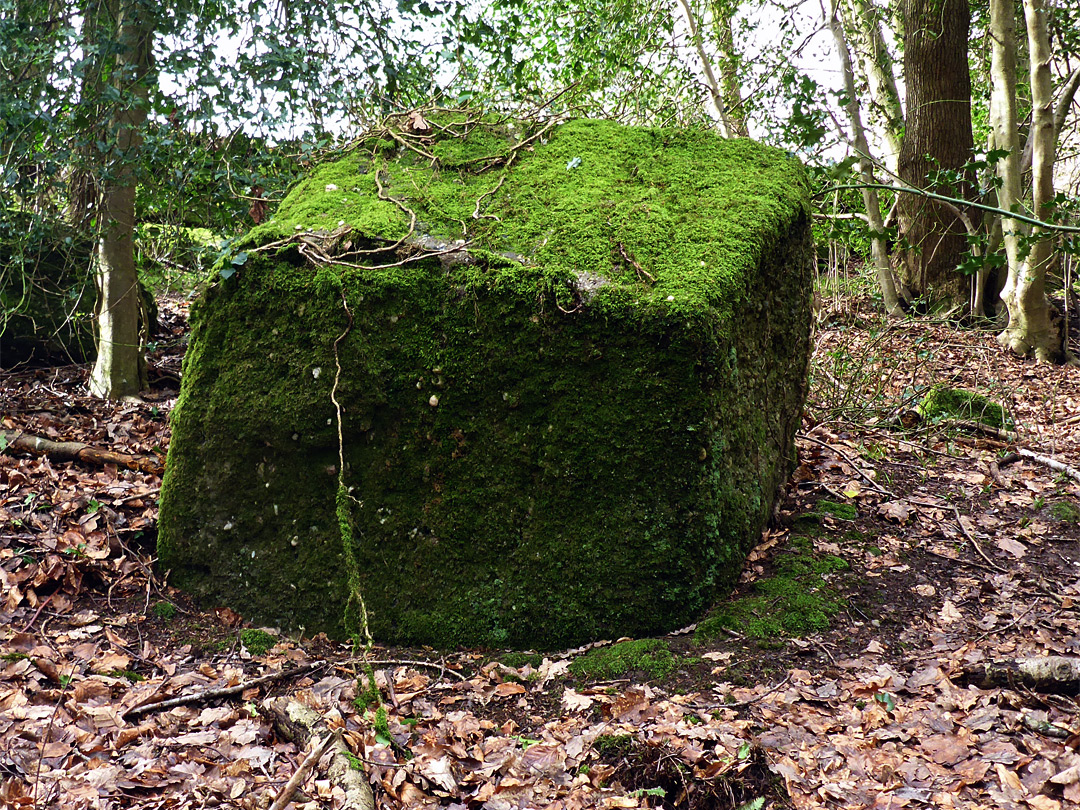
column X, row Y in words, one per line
column 1052, row 463
column 1051, row 673
column 214, row 694
column 18, row 441
column 310, row 761
column 300, row 723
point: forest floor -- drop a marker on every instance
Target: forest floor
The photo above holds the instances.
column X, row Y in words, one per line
column 843, row 673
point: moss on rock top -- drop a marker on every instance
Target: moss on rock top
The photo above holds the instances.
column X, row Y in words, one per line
column 572, row 361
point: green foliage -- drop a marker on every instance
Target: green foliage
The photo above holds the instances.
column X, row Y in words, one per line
column 517, row 660
column 944, row 403
column 368, row 695
column 796, row 600
column 257, row 642
column 127, row 674
column 613, row 746
column 650, row 656
column 164, row 610
column 844, row 511
column 1065, row 511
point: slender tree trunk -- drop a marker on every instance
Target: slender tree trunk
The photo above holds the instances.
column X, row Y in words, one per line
column 83, row 191
column 878, row 249
column 1030, row 329
column 863, row 20
column 938, row 137
column 729, row 68
column 120, row 369
column 706, row 65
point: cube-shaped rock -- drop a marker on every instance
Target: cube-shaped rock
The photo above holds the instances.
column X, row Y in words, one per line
column 501, row 384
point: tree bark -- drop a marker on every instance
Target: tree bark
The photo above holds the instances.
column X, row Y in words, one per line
column 715, row 92
column 863, row 20
column 729, row 68
column 938, row 137
column 876, row 224
column 120, row 369
column 1030, row 330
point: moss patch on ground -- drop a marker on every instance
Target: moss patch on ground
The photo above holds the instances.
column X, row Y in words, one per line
column 1065, row 511
column 650, row 656
column 844, row 511
column 570, row 425
column 257, row 642
column 942, row 403
column 795, row 600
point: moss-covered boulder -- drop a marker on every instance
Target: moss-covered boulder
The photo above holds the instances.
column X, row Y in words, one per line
column 47, row 293
column 569, row 362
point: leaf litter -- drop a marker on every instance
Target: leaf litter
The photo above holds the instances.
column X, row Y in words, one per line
column 957, row 559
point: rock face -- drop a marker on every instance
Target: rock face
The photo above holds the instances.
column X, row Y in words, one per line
column 569, row 361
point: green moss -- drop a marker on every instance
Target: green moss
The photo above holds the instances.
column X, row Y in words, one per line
column 1065, row 511
column 14, row 656
column 609, row 746
column 127, row 674
column 575, row 440
column 521, row 659
column 164, row 610
column 844, row 511
column 944, row 403
column 650, row 656
column 796, row 600
column 257, row 642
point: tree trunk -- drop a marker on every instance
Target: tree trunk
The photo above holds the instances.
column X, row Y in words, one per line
column 729, row 68
column 1030, row 329
column 878, row 248
column 938, row 137
column 120, row 369
column 706, row 66
column 863, row 20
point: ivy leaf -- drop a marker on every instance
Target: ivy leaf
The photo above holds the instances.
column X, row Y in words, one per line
column 886, row 700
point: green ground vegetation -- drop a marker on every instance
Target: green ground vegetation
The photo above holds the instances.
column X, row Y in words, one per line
column 651, row 656
column 257, row 642
column 942, row 403
column 795, row 600
column 1065, row 511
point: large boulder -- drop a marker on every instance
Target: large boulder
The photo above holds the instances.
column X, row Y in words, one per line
column 569, row 362
column 47, row 293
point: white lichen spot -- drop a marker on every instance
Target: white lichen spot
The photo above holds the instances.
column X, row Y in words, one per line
column 341, row 222
column 671, row 298
column 393, row 319
column 329, row 421
column 294, row 542
column 506, row 396
column 419, row 383
column 299, row 227
column 296, row 437
column 275, row 510
column 331, row 187
column 267, row 485
column 253, row 555
column 315, row 372
column 433, row 401
column 228, row 526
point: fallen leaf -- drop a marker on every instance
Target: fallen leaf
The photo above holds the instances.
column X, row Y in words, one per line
column 949, row 614
column 1011, row 546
